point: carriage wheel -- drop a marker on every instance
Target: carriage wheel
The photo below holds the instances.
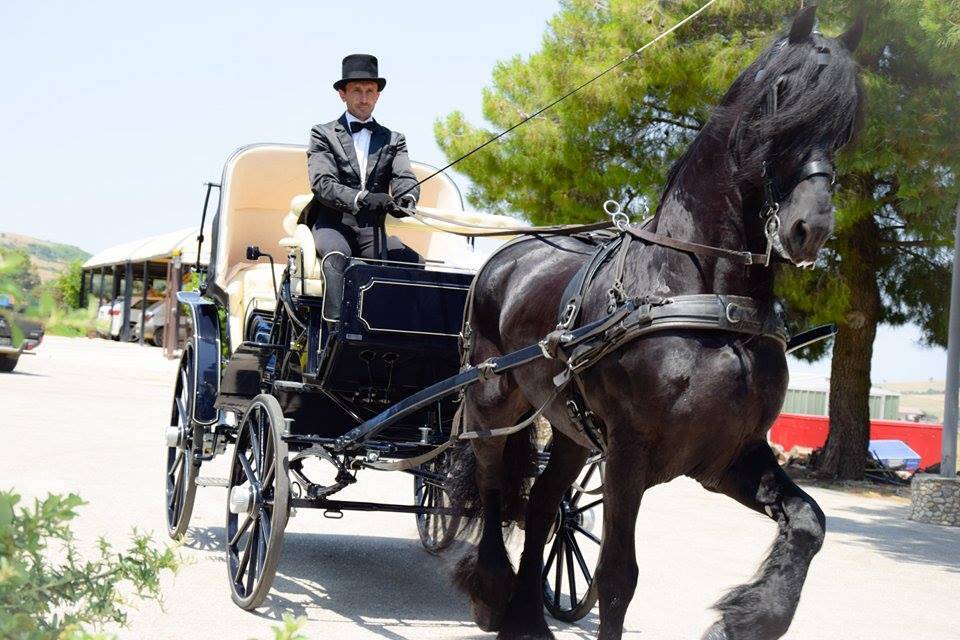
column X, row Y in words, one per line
column 569, row 591
column 436, row 531
column 182, row 466
column 257, row 503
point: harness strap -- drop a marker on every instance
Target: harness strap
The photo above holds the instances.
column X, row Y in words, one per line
column 573, row 294
column 582, row 417
column 488, row 231
column 506, row 431
column 617, row 293
column 742, row 257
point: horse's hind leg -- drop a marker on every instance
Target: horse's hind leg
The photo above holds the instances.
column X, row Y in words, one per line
column 764, row 608
column 524, row 617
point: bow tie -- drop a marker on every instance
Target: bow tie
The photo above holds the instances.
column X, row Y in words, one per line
column 359, row 126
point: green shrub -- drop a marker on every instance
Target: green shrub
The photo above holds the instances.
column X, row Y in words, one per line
column 48, row 591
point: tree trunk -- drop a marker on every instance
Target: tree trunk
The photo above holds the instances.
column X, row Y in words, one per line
column 845, row 452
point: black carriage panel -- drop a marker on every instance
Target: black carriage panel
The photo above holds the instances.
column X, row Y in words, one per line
column 243, row 376
column 399, row 334
column 423, row 306
column 399, row 331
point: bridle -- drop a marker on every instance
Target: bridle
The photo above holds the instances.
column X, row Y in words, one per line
column 772, row 194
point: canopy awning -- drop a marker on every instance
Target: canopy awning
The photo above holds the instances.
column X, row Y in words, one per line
column 159, row 248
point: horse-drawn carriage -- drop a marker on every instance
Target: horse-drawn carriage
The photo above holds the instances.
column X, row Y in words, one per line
column 268, row 377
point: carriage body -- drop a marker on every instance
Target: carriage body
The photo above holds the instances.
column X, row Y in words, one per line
column 400, row 322
column 264, row 375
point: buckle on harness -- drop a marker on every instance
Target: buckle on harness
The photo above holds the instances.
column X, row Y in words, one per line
column 584, row 420
column 567, row 315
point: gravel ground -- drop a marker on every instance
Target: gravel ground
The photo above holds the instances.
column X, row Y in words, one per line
column 87, row 415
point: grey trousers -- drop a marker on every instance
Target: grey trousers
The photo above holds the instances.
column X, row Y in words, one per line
column 351, row 242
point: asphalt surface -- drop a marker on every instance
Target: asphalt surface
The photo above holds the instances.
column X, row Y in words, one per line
column 88, row 415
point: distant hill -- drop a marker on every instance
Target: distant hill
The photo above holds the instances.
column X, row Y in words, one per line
column 48, row 257
column 927, row 395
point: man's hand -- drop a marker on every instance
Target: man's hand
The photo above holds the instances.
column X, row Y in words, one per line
column 377, row 203
column 405, row 202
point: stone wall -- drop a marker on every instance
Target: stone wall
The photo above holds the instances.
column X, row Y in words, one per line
column 935, row 499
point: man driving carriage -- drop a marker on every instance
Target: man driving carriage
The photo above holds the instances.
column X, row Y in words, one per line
column 355, row 163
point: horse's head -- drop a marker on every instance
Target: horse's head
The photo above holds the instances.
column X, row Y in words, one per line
column 792, row 110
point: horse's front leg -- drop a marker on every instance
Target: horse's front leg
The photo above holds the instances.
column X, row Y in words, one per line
column 763, row 608
column 624, row 481
column 524, row 616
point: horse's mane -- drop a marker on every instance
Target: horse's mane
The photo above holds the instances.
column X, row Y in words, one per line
column 818, row 107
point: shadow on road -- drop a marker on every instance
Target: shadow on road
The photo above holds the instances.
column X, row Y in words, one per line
column 378, row 583
column 885, row 528
column 26, row 374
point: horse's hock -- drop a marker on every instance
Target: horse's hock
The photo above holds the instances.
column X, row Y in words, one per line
column 935, row 499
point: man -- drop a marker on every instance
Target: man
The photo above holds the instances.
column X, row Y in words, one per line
column 353, row 163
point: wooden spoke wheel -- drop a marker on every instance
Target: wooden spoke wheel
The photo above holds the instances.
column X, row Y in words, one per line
column 437, row 531
column 257, row 502
column 182, row 465
column 572, row 551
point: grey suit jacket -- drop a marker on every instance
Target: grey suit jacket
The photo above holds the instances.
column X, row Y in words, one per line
column 335, row 172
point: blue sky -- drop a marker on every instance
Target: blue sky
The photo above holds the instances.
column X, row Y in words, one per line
column 115, row 113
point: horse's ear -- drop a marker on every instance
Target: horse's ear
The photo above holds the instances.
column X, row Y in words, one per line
column 803, row 24
column 851, row 37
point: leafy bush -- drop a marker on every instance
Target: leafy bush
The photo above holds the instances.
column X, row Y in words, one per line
column 48, row 591
column 67, row 286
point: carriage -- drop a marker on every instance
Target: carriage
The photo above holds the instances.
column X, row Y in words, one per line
column 266, row 377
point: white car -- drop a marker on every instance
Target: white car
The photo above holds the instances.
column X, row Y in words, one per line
column 110, row 318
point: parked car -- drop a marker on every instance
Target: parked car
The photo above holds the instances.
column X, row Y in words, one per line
column 17, row 336
column 156, row 320
column 110, row 317
column 105, row 315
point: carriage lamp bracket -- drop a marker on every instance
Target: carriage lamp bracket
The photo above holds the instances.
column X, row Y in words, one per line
column 254, row 254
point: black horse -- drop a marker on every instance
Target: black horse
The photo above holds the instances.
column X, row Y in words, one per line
column 679, row 402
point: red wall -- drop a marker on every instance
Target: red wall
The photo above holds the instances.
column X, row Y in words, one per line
column 791, row 429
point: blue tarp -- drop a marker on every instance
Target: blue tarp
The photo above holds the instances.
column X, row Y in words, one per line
column 895, row 454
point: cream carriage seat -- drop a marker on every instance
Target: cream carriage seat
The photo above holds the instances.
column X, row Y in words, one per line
column 426, row 240
column 250, row 289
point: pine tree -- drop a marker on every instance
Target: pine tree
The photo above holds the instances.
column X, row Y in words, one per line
column 896, row 185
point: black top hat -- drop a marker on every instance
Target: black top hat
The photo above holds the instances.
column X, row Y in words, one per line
column 360, row 66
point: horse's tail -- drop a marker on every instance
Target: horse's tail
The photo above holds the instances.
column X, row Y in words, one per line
column 518, row 471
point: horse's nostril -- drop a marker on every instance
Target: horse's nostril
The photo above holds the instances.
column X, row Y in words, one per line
column 799, row 233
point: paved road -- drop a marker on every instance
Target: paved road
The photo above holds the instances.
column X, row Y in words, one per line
column 86, row 415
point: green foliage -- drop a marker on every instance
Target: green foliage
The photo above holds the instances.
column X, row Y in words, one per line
column 71, row 323
column 48, row 591
column 18, row 276
column 67, row 286
column 290, row 630
column 617, row 137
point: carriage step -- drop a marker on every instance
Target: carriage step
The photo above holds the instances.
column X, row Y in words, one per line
column 287, row 385
column 212, row 482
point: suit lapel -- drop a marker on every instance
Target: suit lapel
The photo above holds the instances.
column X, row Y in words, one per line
column 378, row 140
column 346, row 141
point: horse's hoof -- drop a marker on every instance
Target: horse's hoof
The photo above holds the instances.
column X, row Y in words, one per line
column 546, row 634
column 487, row 618
column 716, row 632
column 529, row 627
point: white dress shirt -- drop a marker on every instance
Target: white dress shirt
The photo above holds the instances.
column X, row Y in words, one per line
column 361, row 145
